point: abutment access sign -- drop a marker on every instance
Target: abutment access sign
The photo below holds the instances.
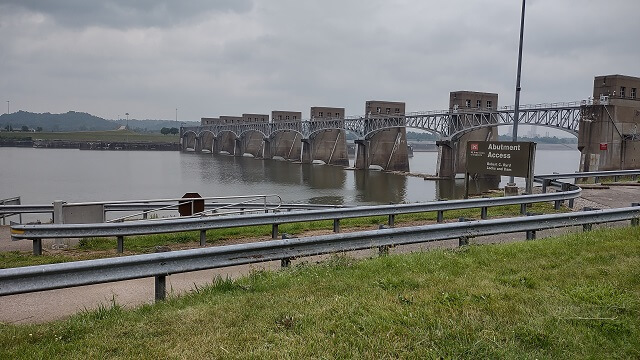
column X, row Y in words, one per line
column 500, row 158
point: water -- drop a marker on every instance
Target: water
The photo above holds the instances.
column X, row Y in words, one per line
column 41, row 176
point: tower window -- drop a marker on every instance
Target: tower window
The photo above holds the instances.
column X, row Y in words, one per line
column 633, row 93
column 489, row 104
column 622, row 91
column 467, row 103
column 478, row 103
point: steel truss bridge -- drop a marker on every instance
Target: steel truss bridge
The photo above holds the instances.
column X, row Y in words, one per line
column 448, row 124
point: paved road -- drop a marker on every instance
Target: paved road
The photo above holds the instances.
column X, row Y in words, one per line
column 58, row 304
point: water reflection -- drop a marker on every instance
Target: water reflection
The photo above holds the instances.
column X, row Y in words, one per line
column 380, row 187
column 454, row 189
column 323, row 176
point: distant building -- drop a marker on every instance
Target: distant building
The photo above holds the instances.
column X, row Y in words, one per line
column 616, row 87
column 226, row 119
column 376, row 107
column 321, row 112
column 209, row 121
column 277, row 115
column 472, row 100
column 255, row 117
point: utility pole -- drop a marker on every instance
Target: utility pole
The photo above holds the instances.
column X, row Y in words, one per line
column 516, row 110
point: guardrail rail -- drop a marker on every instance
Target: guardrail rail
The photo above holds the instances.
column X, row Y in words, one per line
column 160, row 265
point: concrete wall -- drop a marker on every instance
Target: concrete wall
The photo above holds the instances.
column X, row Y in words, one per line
column 386, row 149
column 250, row 143
column 286, row 144
column 608, row 134
column 226, row 141
column 452, row 155
column 612, row 127
column 207, row 141
column 329, row 146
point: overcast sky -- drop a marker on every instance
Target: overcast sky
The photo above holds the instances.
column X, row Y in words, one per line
column 228, row 57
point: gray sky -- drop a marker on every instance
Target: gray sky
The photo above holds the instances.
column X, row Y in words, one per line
column 228, row 57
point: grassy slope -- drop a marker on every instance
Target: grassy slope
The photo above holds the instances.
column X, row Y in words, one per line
column 115, row 135
column 573, row 297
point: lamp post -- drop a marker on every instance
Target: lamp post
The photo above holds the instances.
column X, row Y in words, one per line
column 127, row 127
column 8, row 106
column 516, row 110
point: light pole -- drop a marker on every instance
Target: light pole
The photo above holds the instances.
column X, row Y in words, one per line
column 516, row 110
column 8, row 106
column 127, row 127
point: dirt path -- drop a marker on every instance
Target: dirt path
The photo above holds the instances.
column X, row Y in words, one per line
column 58, row 304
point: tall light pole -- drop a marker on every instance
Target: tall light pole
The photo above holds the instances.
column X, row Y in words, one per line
column 127, row 127
column 516, row 110
column 8, row 106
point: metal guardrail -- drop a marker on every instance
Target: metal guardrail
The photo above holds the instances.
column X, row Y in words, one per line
column 595, row 174
column 12, row 202
column 160, row 265
column 147, row 227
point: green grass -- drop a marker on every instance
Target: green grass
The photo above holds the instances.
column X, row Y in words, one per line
column 115, row 135
column 577, row 296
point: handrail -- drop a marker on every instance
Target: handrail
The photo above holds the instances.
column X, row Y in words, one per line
column 212, row 209
column 42, row 209
column 587, row 174
column 159, row 265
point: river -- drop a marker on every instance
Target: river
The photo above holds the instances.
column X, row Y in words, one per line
column 41, row 176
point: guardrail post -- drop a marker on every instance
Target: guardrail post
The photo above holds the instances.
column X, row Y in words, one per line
column 285, row 262
column 440, row 216
column 203, row 237
column 336, row 225
column 523, row 209
column 556, row 205
column 596, row 179
column 531, row 234
column 616, row 178
column 161, row 287
column 635, row 221
column 37, row 246
column 58, row 218
column 392, row 218
column 120, row 244
column 463, row 241
column 274, row 231
column 545, row 183
column 483, row 212
column 384, row 249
